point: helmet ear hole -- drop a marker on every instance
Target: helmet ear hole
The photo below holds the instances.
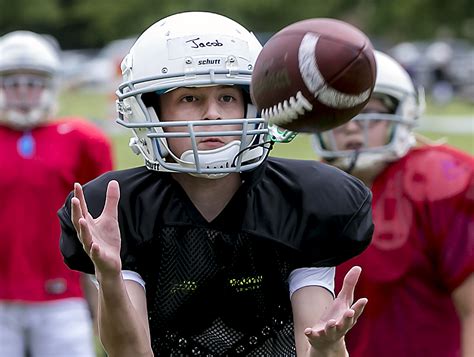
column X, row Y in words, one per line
column 390, row 102
column 152, row 100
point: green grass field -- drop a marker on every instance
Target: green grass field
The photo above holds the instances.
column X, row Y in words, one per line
column 99, row 108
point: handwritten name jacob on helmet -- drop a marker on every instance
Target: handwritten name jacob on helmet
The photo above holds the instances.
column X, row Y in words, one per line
column 195, row 43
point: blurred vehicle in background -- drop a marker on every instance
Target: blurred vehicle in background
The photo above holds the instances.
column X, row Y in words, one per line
column 443, row 68
column 73, row 66
column 92, row 69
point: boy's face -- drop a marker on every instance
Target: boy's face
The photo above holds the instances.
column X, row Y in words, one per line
column 202, row 103
column 23, row 91
column 350, row 136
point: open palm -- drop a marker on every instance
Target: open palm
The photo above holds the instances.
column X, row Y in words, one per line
column 99, row 236
column 340, row 316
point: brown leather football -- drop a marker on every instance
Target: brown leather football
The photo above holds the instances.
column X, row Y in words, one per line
column 314, row 75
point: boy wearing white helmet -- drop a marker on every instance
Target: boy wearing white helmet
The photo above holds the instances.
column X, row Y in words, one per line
column 213, row 249
column 42, row 306
column 419, row 267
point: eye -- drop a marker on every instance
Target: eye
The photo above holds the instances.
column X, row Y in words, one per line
column 35, row 84
column 375, row 122
column 188, row 99
column 227, row 98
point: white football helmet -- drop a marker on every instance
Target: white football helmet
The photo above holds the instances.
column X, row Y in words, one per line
column 191, row 49
column 393, row 85
column 29, row 69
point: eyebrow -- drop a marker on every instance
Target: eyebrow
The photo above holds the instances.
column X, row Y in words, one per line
column 375, row 111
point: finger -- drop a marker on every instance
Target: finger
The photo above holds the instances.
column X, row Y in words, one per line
column 330, row 331
column 347, row 321
column 350, row 316
column 359, row 307
column 95, row 252
column 111, row 199
column 349, row 313
column 319, row 331
column 76, row 213
column 312, row 333
column 79, row 193
column 350, row 282
column 85, row 235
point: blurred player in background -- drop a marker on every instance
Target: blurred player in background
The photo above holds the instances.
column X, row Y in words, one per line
column 418, row 270
column 42, row 309
column 213, row 249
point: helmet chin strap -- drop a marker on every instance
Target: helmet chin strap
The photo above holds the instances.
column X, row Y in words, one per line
column 353, row 162
column 209, row 159
column 27, row 120
column 365, row 166
column 223, row 157
column 38, row 114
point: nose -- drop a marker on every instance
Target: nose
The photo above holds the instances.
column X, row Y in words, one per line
column 352, row 126
column 212, row 109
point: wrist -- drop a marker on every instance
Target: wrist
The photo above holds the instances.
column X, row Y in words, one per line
column 108, row 278
column 336, row 349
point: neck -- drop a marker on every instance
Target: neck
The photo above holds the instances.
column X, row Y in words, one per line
column 209, row 196
column 368, row 174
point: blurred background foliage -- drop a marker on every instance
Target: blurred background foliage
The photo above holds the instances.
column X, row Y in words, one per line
column 95, row 35
column 94, row 23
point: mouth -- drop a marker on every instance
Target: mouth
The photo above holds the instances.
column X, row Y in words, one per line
column 353, row 145
column 23, row 109
column 210, row 143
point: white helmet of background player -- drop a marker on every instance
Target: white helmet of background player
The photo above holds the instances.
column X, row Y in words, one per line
column 395, row 88
column 190, row 49
column 29, row 68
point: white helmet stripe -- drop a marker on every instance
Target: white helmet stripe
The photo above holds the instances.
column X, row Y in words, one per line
column 315, row 82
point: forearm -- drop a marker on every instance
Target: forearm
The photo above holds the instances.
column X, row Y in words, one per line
column 91, row 295
column 463, row 298
column 122, row 331
column 467, row 334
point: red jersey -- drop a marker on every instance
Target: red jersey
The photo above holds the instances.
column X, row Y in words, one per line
column 38, row 170
column 422, row 249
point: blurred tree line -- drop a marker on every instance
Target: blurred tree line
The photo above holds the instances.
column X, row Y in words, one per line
column 93, row 23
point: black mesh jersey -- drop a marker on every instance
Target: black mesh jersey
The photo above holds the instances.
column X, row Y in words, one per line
column 220, row 288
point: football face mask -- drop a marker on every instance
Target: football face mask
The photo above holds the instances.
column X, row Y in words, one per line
column 24, row 92
column 26, row 98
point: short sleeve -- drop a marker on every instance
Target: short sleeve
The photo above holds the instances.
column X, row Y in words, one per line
column 302, row 277
column 347, row 232
column 440, row 183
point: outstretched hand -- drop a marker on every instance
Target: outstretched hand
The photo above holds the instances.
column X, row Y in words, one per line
column 100, row 237
column 340, row 316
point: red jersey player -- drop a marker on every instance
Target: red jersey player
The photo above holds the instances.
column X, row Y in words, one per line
column 418, row 270
column 42, row 308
